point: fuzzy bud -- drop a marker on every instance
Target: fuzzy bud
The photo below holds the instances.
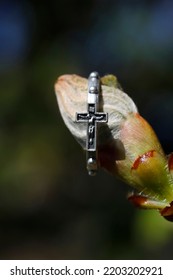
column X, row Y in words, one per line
column 127, row 145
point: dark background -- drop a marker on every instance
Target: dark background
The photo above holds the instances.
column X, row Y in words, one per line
column 49, row 207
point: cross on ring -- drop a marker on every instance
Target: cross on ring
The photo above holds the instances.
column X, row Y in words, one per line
column 92, row 117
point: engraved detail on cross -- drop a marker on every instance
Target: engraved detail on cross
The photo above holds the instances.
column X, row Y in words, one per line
column 92, row 117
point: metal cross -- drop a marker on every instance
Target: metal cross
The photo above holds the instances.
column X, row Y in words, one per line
column 92, row 117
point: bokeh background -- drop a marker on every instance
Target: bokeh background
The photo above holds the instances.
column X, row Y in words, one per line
column 49, row 207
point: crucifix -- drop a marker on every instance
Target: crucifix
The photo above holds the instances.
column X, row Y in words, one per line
column 92, row 117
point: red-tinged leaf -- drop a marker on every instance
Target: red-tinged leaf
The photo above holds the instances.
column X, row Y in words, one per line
column 145, row 202
column 170, row 162
column 167, row 212
column 141, row 159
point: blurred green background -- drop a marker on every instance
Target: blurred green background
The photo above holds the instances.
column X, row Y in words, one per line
column 49, row 207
